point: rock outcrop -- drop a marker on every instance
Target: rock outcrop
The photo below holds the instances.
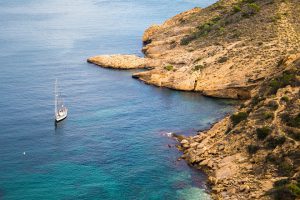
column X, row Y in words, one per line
column 119, row 61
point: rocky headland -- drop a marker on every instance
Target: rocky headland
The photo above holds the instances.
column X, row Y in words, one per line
column 239, row 49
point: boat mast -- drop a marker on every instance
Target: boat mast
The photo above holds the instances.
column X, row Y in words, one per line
column 55, row 99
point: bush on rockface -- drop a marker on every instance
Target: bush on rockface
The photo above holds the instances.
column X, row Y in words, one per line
column 198, row 67
column 281, row 182
column 268, row 115
column 169, row 67
column 274, row 141
column 252, row 149
column 236, row 9
column 223, row 59
column 285, row 193
column 256, row 99
column 263, row 132
column 290, row 120
column 250, row 9
column 295, row 134
column 286, row 189
column 187, row 39
column 238, row 117
column 273, row 105
column 288, row 78
column 285, row 99
column 295, row 189
column 202, row 30
column 285, row 168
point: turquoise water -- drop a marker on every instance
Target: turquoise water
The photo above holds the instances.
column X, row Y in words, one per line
column 113, row 145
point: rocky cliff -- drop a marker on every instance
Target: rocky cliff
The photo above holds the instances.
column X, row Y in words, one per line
column 255, row 153
column 223, row 51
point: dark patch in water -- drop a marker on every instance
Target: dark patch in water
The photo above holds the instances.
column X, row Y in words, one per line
column 2, row 193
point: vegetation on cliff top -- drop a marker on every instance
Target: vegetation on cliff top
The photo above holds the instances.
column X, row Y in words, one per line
column 218, row 24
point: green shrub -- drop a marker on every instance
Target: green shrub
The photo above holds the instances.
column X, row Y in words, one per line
column 256, row 99
column 281, row 182
column 285, row 98
column 198, row 67
column 223, row 59
column 254, row 7
column 290, row 120
column 273, row 142
column 202, row 30
column 286, row 189
column 285, row 168
column 283, row 193
column 250, row 9
column 294, row 134
column 236, row 9
column 271, row 158
column 218, row 5
column 222, row 29
column 295, row 189
column 282, row 81
column 263, row 132
column 187, row 39
column 268, row 115
column 252, row 149
column 238, row 117
column 248, row 1
column 273, row 105
column 169, row 67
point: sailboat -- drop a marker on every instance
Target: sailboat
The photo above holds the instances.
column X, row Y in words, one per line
column 61, row 111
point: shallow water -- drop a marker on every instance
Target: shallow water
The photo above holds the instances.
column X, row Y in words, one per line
column 113, row 145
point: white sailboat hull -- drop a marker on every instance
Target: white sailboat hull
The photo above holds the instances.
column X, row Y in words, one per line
column 61, row 115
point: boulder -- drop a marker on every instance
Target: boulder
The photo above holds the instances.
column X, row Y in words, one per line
column 210, row 164
column 184, row 141
column 193, row 145
column 221, row 147
column 245, row 188
column 204, row 162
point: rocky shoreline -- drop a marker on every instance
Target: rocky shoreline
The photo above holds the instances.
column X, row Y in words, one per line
column 234, row 49
column 248, row 153
column 227, row 173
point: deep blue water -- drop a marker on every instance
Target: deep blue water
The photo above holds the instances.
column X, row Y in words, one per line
column 113, row 143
